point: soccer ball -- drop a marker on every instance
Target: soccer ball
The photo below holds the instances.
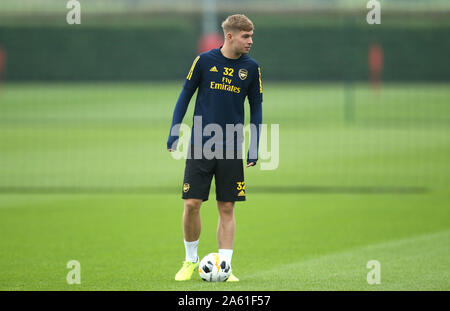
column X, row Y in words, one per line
column 214, row 268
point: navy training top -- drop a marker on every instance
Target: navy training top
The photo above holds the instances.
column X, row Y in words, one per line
column 223, row 84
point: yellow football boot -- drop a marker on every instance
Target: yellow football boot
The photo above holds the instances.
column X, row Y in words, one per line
column 232, row 278
column 186, row 271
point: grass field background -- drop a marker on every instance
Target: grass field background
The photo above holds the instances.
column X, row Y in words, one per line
column 363, row 174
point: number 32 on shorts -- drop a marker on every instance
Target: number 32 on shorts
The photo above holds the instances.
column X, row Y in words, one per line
column 240, row 185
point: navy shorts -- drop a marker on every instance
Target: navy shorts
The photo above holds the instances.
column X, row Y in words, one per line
column 228, row 175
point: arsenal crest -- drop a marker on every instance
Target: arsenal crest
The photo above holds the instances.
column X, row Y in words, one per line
column 186, row 187
column 243, row 74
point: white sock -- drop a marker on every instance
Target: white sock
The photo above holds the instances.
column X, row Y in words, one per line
column 191, row 250
column 227, row 253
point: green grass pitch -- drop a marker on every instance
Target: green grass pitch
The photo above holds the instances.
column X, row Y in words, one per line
column 363, row 175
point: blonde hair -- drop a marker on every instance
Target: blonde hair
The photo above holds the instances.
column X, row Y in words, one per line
column 237, row 22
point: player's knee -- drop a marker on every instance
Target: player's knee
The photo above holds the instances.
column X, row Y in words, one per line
column 226, row 208
column 192, row 205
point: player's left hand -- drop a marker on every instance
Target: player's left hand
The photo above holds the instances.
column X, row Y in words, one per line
column 250, row 164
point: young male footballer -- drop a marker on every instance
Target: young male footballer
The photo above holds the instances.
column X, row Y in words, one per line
column 224, row 77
